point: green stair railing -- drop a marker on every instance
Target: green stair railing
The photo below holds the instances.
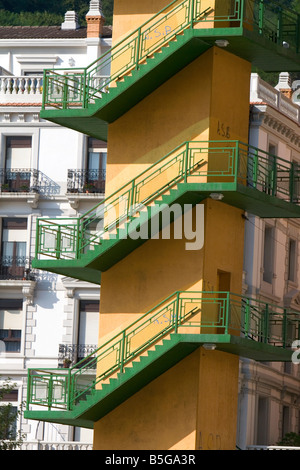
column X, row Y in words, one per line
column 192, row 162
column 66, row 88
column 195, row 313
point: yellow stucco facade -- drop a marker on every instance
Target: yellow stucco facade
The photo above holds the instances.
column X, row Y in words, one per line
column 194, row 404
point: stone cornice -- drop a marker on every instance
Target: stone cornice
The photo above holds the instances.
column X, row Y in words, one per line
column 263, row 115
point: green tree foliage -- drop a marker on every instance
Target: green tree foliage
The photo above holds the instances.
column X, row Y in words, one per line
column 42, row 12
column 24, row 18
column 291, row 439
column 9, row 438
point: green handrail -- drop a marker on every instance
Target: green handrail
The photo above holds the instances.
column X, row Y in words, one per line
column 202, row 312
column 239, row 163
column 66, row 87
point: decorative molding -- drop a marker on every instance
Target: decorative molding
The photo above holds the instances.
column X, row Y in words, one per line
column 28, row 291
column 260, row 116
column 71, row 285
column 75, row 199
column 292, row 298
column 32, row 199
column 26, row 287
column 42, row 59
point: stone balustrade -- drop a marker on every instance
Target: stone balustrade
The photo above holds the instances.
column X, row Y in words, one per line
column 21, row 89
column 263, row 93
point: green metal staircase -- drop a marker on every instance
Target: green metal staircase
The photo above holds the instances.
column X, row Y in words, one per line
column 157, row 341
column 240, row 175
column 87, row 100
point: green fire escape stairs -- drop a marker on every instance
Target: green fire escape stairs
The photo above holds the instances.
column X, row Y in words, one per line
column 235, row 173
column 155, row 342
column 87, row 100
column 230, row 171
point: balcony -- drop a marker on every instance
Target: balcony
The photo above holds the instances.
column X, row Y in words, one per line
column 21, row 89
column 86, row 181
column 180, row 324
column 70, row 354
column 237, row 174
column 259, row 31
column 15, row 268
column 85, row 184
column 26, row 183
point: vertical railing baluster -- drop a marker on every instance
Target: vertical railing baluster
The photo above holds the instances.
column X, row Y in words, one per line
column 236, row 161
column 78, row 232
column 45, row 89
column 284, row 328
column 50, row 392
column 37, row 239
column 261, row 16
column 247, row 318
column 69, row 391
column 122, row 351
column 138, row 45
column 131, row 199
column 186, row 162
column 192, row 12
column 266, row 324
column 255, row 168
column 227, row 312
column 292, row 182
column 65, row 92
column 274, row 177
column 176, row 312
column 58, row 242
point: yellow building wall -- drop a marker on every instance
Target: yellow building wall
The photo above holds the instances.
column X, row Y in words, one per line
column 217, row 401
column 129, row 15
column 194, row 404
column 207, row 417
column 161, row 416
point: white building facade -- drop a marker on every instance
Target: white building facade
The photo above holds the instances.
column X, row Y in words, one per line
column 45, row 171
column 49, row 171
column 269, row 393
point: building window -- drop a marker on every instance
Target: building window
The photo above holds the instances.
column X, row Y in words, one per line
column 11, row 324
column 268, row 260
column 292, row 261
column 88, row 322
column 13, row 250
column 17, row 163
column 262, row 421
column 87, row 338
column 96, row 163
column 285, row 420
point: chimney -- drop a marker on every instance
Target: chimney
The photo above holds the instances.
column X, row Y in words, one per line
column 284, row 84
column 71, row 21
column 95, row 19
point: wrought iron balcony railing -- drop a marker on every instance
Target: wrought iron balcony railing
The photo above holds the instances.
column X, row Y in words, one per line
column 15, row 268
column 206, row 316
column 70, row 354
column 66, row 88
column 26, row 180
column 221, row 163
column 86, row 181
